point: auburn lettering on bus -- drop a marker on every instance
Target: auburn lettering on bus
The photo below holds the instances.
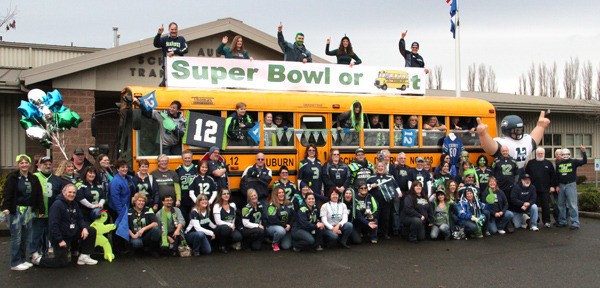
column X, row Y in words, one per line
column 278, row 162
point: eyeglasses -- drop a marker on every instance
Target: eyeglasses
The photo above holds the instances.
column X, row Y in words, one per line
column 312, row 150
column 226, row 193
column 335, row 154
column 362, row 187
column 260, row 159
column 283, row 172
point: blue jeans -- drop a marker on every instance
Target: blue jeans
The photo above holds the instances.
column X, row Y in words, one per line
column 443, row 228
column 533, row 213
column 149, row 239
column 198, row 241
column 567, row 198
column 20, row 236
column 280, row 236
column 346, row 232
column 396, row 215
column 305, row 240
column 496, row 224
column 39, row 237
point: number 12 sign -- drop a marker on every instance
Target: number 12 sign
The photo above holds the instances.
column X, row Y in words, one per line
column 204, row 130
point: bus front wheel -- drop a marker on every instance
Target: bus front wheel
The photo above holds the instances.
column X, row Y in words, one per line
column 384, row 87
column 403, row 87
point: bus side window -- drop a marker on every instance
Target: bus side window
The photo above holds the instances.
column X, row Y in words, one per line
column 434, row 130
column 314, row 130
column 278, row 133
column 346, row 135
column 464, row 128
column 148, row 138
column 240, row 136
column 376, row 131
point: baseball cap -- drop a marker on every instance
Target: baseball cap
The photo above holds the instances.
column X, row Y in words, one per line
column 45, row 159
column 414, row 44
column 359, row 150
column 420, row 159
column 78, row 151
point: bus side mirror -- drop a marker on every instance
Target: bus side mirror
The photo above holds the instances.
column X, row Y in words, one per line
column 136, row 120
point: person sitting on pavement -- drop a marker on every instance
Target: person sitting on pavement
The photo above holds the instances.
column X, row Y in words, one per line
column 441, row 220
column 143, row 226
column 253, row 222
column 472, row 214
column 66, row 227
column 200, row 230
column 334, row 215
column 522, row 201
column 307, row 229
column 171, row 222
column 280, row 215
column 417, row 213
column 227, row 234
column 497, row 205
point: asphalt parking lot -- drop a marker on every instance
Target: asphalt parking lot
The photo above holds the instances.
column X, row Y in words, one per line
column 555, row 257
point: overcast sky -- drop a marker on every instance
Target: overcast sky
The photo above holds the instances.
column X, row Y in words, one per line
column 508, row 35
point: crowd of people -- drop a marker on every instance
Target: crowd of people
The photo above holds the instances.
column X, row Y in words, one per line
column 332, row 203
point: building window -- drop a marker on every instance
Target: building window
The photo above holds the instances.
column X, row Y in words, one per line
column 574, row 142
column 551, row 142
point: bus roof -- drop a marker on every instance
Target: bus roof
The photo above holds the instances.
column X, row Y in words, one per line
column 285, row 101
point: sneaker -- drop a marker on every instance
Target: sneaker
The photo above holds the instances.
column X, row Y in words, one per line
column 85, row 259
column 479, row 236
column 574, row 227
column 487, row 233
column 36, row 258
column 237, row 246
column 534, row 228
column 373, row 241
column 276, row 247
column 560, row 225
column 28, row 264
column 547, row 225
column 20, row 267
column 501, row 232
column 319, row 248
column 295, row 249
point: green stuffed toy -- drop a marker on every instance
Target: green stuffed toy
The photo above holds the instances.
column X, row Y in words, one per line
column 102, row 229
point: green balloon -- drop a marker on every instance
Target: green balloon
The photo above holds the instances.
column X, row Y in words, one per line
column 64, row 119
column 46, row 143
column 76, row 119
column 25, row 123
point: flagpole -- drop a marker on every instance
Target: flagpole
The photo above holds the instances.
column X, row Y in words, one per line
column 457, row 53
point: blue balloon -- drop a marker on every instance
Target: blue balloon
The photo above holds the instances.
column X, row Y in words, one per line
column 54, row 101
column 29, row 111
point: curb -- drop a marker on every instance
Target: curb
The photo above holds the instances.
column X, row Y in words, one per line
column 594, row 215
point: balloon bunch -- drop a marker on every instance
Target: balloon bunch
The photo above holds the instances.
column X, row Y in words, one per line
column 44, row 118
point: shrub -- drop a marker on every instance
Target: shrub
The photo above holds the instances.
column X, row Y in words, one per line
column 581, row 179
column 2, row 181
column 589, row 201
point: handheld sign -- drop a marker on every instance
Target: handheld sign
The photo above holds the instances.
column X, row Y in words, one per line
column 148, row 101
column 204, row 130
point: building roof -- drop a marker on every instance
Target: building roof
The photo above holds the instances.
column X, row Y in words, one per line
column 143, row 46
column 513, row 102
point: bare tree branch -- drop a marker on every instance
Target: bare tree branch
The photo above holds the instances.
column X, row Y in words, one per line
column 491, row 80
column 552, row 81
column 542, row 79
column 438, row 77
column 430, row 80
column 586, row 81
column 471, row 77
column 482, row 77
column 531, row 77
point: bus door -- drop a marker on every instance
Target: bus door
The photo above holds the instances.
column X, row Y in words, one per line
column 312, row 129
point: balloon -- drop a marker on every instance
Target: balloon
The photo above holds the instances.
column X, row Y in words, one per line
column 76, row 119
column 62, row 108
column 46, row 112
column 29, row 110
column 25, row 123
column 54, row 100
column 64, row 119
column 36, row 96
column 46, row 143
column 36, row 132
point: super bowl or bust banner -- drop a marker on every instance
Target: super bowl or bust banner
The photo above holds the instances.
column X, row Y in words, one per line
column 203, row 72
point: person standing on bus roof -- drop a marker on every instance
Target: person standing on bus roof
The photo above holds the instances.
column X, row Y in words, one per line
column 344, row 54
column 412, row 58
column 293, row 51
column 171, row 45
column 236, row 50
column 520, row 145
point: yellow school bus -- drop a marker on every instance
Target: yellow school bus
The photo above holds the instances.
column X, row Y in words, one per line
column 392, row 79
column 304, row 118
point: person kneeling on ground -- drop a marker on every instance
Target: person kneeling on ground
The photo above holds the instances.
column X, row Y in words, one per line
column 441, row 221
column 472, row 214
column 143, row 227
column 66, row 226
column 171, row 224
column 334, row 215
column 522, row 202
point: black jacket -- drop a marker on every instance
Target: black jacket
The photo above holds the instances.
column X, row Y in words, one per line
column 10, row 193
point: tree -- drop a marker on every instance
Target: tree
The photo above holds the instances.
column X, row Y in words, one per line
column 491, row 80
column 531, row 77
column 586, row 81
column 471, row 77
column 430, row 80
column 543, row 79
column 482, row 77
column 438, row 77
column 571, row 78
column 552, row 81
column 598, row 83
column 523, row 84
